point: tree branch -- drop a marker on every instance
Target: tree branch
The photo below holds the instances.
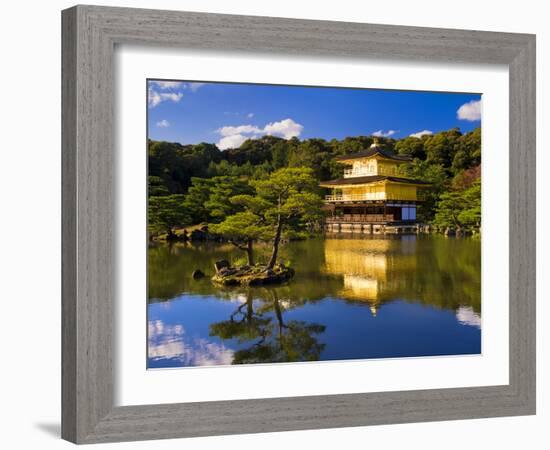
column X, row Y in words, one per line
column 236, row 244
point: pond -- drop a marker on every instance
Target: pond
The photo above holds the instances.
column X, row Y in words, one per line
column 351, row 298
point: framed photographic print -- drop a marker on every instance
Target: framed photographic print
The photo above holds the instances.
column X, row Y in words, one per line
column 268, row 222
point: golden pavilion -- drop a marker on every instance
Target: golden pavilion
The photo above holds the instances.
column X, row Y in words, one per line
column 372, row 197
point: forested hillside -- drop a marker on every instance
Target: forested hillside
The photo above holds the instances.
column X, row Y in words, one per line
column 189, row 184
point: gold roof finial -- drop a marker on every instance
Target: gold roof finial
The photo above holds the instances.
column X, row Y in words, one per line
column 375, row 142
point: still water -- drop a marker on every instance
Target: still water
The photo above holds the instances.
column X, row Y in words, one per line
column 369, row 297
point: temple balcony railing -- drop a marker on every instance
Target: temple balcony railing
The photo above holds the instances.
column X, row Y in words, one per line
column 359, row 197
column 360, row 218
column 369, row 171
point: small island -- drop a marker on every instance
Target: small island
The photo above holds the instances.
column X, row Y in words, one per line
column 257, row 275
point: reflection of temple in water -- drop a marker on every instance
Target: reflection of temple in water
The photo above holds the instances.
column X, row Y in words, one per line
column 372, row 269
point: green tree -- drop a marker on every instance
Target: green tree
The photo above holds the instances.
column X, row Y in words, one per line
column 156, row 186
column 176, row 164
column 196, row 198
column 460, row 209
column 220, row 190
column 434, row 174
column 241, row 230
column 208, row 198
column 315, row 154
column 165, row 213
column 470, row 215
column 470, row 143
column 441, row 147
column 411, row 146
column 286, row 203
column 280, row 154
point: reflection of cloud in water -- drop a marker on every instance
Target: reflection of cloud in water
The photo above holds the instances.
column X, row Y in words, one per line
column 170, row 342
column 467, row 316
column 239, row 298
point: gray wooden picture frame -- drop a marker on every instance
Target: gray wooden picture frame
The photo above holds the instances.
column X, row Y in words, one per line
column 90, row 34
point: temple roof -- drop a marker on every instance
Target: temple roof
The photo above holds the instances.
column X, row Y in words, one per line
column 370, row 179
column 373, row 151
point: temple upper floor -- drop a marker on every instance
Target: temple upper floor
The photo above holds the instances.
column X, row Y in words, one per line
column 373, row 161
column 371, row 166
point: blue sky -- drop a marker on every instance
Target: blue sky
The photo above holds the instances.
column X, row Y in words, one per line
column 227, row 114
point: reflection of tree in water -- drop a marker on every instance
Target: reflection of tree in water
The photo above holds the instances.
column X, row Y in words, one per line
column 272, row 338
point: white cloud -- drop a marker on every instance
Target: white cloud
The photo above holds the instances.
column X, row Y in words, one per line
column 250, row 115
column 174, row 85
column 467, row 316
column 172, row 343
column 156, row 95
column 419, row 134
column 232, row 141
column 286, row 128
column 381, row 133
column 167, row 84
column 163, row 123
column 241, row 129
column 174, row 96
column 234, row 136
column 171, row 85
column 155, row 98
column 193, row 87
column 470, row 111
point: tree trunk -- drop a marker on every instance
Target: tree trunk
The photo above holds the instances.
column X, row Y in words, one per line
column 248, row 249
column 249, row 308
column 171, row 235
column 279, row 315
column 276, row 242
column 249, row 252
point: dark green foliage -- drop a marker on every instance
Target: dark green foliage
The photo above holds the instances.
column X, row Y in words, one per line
column 451, row 165
column 411, row 146
column 468, row 151
column 440, row 148
column 176, row 164
column 280, row 154
column 165, row 213
column 196, row 198
column 222, row 189
column 156, row 186
column 315, row 154
column 460, row 209
column 208, row 198
column 434, row 174
column 255, row 151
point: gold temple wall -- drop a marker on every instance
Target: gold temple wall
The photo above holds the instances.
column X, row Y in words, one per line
column 395, row 191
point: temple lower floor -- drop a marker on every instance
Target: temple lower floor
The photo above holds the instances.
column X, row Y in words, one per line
column 375, row 212
column 374, row 217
